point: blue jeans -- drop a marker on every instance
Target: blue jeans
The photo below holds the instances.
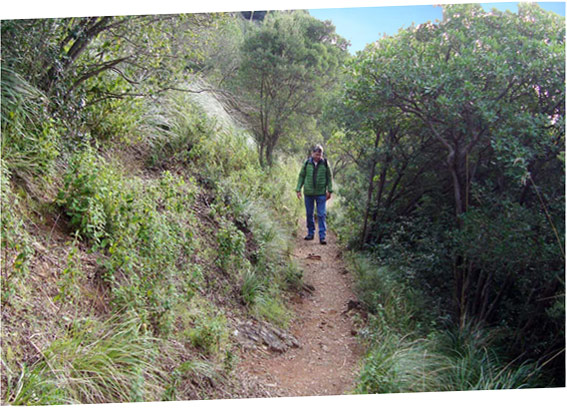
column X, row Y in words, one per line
column 321, row 214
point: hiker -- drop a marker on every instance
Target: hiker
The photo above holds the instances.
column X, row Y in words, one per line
column 316, row 179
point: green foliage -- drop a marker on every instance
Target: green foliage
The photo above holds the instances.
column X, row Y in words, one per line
column 475, row 364
column 210, row 333
column 144, row 227
column 398, row 364
column 232, row 243
column 251, row 288
column 263, row 298
column 389, row 295
column 16, row 247
column 270, row 306
column 96, row 362
column 30, row 137
column 178, row 127
column 68, row 281
column 223, row 56
column 451, row 134
column 94, row 71
column 88, row 196
column 408, row 354
column 287, row 63
column 114, row 119
column 293, row 277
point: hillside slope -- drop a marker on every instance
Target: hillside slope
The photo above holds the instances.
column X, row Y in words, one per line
column 127, row 269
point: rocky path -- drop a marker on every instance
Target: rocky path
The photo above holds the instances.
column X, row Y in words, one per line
column 326, row 361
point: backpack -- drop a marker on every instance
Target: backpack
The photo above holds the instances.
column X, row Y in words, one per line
column 323, row 160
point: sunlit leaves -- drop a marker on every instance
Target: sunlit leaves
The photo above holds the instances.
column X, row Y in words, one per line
column 288, row 63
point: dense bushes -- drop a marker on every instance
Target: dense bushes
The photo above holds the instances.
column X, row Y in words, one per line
column 454, row 181
column 120, row 198
column 411, row 349
column 193, row 228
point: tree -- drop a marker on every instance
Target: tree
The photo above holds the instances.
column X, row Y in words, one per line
column 288, row 62
column 480, row 208
column 93, row 67
column 469, row 87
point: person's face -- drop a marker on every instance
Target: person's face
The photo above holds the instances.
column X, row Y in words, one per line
column 316, row 156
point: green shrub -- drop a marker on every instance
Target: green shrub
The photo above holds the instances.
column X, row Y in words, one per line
column 442, row 361
column 385, row 294
column 145, row 228
column 68, row 283
column 16, row 247
column 112, row 119
column 232, row 244
column 293, row 276
column 93, row 196
column 475, row 363
column 210, row 333
column 406, row 353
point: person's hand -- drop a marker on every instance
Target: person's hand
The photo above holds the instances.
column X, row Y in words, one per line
column 299, row 195
column 328, row 195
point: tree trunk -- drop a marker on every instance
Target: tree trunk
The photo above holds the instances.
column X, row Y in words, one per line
column 261, row 154
column 270, row 155
column 97, row 25
column 457, row 192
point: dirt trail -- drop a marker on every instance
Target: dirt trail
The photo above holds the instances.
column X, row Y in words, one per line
column 326, row 362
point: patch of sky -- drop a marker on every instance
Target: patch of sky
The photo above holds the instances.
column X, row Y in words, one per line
column 363, row 25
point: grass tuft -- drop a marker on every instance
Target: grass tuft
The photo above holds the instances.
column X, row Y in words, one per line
column 96, row 362
column 405, row 355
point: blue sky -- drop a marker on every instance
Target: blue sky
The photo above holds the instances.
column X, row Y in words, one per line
column 363, row 22
column 363, row 25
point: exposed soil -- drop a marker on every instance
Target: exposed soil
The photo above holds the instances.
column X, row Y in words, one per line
column 326, row 361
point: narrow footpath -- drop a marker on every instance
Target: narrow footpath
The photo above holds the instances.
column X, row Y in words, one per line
column 326, row 361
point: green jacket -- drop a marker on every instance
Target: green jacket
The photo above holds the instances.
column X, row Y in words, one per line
column 315, row 180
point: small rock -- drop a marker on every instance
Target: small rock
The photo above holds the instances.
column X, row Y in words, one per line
column 308, row 288
column 270, row 337
column 353, row 304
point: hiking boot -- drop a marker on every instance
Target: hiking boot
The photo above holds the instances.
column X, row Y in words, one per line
column 322, row 241
column 308, row 237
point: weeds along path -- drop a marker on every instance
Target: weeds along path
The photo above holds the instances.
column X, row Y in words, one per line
column 326, row 362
